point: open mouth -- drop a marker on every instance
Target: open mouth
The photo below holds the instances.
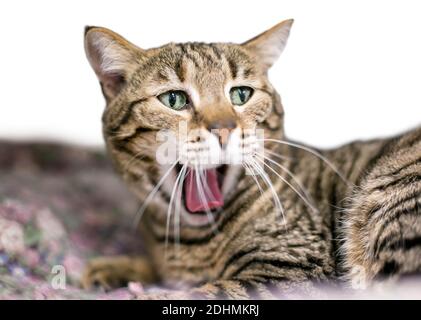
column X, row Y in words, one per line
column 202, row 191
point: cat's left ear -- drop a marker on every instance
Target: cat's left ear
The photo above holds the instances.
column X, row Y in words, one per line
column 269, row 45
column 112, row 57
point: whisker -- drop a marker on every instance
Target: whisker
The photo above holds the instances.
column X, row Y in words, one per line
column 247, row 167
column 167, row 229
column 178, row 210
column 268, row 182
column 281, row 157
column 290, row 174
column 315, row 153
column 202, row 194
column 287, row 183
column 205, row 186
column 145, row 204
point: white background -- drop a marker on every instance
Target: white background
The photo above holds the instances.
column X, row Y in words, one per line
column 351, row 70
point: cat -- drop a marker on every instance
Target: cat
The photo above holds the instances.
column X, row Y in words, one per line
column 237, row 214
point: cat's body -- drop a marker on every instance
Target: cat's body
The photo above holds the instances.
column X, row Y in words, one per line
column 351, row 213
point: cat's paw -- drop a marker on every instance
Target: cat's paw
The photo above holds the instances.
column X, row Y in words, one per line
column 358, row 278
column 102, row 273
column 114, row 272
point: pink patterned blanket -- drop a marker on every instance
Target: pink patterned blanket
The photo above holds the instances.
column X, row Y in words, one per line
column 59, row 206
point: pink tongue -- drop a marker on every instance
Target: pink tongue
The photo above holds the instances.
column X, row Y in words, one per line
column 202, row 198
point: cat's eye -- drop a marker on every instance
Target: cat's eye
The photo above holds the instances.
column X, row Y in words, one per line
column 240, row 95
column 176, row 100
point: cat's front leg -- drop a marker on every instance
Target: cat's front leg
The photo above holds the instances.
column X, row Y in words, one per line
column 117, row 271
column 113, row 272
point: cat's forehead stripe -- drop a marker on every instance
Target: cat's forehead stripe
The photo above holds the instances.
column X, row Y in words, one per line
column 233, row 68
column 208, row 57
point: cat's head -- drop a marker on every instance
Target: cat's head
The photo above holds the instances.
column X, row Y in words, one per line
column 187, row 113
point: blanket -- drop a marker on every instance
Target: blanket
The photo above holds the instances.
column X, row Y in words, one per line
column 59, row 206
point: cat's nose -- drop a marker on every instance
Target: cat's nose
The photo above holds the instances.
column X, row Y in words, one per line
column 222, row 130
column 218, row 125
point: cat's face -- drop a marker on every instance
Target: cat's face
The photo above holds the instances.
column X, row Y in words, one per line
column 190, row 115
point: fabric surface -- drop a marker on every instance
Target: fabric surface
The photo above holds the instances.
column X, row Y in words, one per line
column 59, row 206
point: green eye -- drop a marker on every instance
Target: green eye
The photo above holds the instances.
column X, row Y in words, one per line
column 240, row 95
column 176, row 100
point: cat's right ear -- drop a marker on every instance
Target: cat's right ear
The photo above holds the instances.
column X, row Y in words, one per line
column 112, row 57
column 268, row 46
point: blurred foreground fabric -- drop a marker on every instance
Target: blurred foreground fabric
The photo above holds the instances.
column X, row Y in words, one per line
column 59, row 205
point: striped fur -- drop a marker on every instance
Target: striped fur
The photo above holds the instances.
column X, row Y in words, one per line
column 362, row 227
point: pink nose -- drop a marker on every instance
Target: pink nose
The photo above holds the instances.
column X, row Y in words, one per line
column 222, row 124
column 222, row 129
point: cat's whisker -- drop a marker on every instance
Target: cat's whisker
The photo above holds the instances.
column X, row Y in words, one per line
column 178, row 209
column 199, row 175
column 276, row 155
column 141, row 211
column 205, row 183
column 170, row 205
column 284, row 168
column 255, row 165
column 293, row 177
column 269, row 183
column 315, row 153
column 209, row 192
column 307, row 202
column 247, row 167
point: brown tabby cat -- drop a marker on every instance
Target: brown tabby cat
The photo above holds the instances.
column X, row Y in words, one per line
column 230, row 221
